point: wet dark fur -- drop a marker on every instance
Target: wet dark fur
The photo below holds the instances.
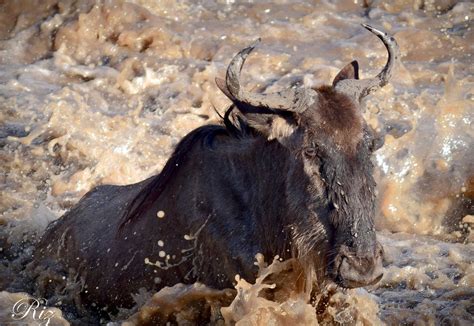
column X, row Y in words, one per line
column 228, row 193
column 343, row 122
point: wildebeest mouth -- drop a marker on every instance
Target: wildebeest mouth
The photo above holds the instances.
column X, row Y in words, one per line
column 355, row 284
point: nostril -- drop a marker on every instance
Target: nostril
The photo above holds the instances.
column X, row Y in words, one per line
column 346, row 268
column 377, row 279
column 379, row 250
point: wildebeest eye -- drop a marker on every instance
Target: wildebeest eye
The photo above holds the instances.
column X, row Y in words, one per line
column 374, row 139
column 310, row 152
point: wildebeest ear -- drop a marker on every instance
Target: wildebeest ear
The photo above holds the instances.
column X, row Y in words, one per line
column 272, row 125
column 223, row 87
column 350, row 71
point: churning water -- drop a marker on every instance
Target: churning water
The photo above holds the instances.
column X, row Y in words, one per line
column 99, row 92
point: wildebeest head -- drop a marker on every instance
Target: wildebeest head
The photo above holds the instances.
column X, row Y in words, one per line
column 330, row 185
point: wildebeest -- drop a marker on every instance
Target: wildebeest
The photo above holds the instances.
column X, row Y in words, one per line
column 290, row 175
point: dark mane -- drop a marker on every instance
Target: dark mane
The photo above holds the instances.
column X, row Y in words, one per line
column 234, row 127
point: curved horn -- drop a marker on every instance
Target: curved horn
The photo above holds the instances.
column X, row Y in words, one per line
column 293, row 99
column 362, row 88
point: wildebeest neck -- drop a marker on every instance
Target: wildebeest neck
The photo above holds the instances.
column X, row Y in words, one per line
column 255, row 174
column 248, row 169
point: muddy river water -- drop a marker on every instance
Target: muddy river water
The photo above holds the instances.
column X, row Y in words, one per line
column 99, row 93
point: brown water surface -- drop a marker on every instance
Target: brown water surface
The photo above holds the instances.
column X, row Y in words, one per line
column 96, row 94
